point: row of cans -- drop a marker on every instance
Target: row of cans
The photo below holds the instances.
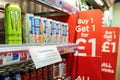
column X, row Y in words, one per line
column 27, row 71
column 44, row 31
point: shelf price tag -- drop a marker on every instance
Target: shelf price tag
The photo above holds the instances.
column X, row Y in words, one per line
column 44, row 55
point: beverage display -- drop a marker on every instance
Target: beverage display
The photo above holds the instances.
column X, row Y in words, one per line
column 43, row 30
column 27, row 71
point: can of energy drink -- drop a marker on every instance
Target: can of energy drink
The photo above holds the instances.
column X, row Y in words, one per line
column 44, row 71
column 64, row 66
column 45, row 31
column 37, row 28
column 54, row 37
column 66, row 34
column 13, row 29
column 51, row 31
column 4, row 75
column 55, row 71
column 25, row 74
column 32, row 73
column 15, row 74
column 58, row 32
column 49, row 72
column 62, row 32
column 39, row 74
column 49, row 26
column 29, row 29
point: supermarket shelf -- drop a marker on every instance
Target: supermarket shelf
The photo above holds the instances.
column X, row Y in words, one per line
column 58, row 5
column 64, row 7
column 2, row 8
column 20, row 53
column 62, row 48
column 49, row 14
column 94, row 4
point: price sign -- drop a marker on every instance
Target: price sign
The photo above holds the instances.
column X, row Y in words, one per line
column 88, row 33
column 110, row 37
column 110, row 41
column 44, row 55
column 91, row 72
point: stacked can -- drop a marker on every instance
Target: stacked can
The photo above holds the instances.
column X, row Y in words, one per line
column 37, row 28
column 28, row 29
column 63, row 32
column 44, row 31
column 27, row 71
column 66, row 34
column 51, row 29
column 58, row 32
column 59, row 70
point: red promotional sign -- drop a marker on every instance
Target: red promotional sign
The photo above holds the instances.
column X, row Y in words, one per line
column 88, row 33
column 110, row 39
column 85, row 30
column 89, row 68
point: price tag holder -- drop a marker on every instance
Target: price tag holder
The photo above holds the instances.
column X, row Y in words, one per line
column 12, row 55
column 44, row 55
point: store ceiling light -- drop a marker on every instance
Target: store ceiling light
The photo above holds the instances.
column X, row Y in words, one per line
column 99, row 2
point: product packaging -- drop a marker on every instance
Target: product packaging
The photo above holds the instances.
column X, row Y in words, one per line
column 49, row 72
column 66, row 34
column 13, row 33
column 54, row 37
column 59, row 70
column 32, row 73
column 58, row 32
column 63, row 32
column 55, row 71
column 58, row 3
column 28, row 29
column 49, row 30
column 5, row 76
column 64, row 66
column 51, row 40
column 39, row 74
column 44, row 72
column 45, row 30
column 37, row 29
column 25, row 74
column 14, row 73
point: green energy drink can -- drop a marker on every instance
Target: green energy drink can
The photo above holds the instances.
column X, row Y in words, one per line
column 13, row 33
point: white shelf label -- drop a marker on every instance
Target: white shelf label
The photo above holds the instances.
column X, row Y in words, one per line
column 44, row 55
